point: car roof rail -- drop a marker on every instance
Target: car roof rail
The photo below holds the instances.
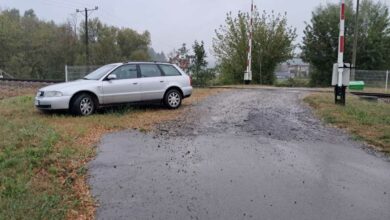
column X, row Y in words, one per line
column 154, row 61
column 162, row 62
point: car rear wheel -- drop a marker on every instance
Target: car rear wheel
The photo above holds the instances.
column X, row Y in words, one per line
column 173, row 99
column 83, row 104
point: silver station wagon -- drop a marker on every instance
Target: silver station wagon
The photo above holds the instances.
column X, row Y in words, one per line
column 116, row 84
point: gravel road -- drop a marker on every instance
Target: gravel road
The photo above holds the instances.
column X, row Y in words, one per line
column 242, row 154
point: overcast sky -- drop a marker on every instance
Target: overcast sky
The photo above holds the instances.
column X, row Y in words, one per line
column 170, row 22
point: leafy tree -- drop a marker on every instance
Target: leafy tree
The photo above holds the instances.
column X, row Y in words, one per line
column 272, row 44
column 133, row 46
column 373, row 50
column 201, row 75
column 320, row 43
column 110, row 44
column 33, row 48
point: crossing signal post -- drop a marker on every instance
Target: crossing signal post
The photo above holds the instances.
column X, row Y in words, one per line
column 248, row 72
column 340, row 78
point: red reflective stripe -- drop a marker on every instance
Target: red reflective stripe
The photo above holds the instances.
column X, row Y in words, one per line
column 343, row 11
column 341, row 44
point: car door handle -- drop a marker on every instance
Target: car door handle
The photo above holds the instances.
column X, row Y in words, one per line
column 135, row 83
column 161, row 81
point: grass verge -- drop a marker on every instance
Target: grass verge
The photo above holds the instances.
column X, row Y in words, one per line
column 43, row 156
column 368, row 121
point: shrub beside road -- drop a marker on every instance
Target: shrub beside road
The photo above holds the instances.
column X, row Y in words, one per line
column 369, row 121
column 43, row 156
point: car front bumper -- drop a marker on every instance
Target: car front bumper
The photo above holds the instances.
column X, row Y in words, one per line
column 52, row 103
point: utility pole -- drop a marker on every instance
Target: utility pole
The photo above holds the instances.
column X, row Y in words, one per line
column 355, row 41
column 86, row 10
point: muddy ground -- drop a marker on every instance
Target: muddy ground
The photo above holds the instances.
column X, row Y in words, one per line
column 242, row 154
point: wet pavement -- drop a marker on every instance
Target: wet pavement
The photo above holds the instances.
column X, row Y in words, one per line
column 249, row 154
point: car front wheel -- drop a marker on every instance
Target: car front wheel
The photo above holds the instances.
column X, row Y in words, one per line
column 83, row 105
column 173, row 99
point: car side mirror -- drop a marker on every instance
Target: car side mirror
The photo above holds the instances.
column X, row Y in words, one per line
column 111, row 77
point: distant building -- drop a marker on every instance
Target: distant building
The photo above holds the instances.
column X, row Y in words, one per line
column 292, row 68
column 182, row 59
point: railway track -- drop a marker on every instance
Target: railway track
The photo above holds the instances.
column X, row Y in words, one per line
column 31, row 80
column 369, row 94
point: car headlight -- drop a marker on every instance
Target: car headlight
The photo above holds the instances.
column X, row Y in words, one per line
column 53, row 94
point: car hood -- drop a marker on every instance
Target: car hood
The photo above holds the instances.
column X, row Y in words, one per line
column 67, row 85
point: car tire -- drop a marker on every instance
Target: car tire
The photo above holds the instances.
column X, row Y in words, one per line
column 83, row 104
column 173, row 99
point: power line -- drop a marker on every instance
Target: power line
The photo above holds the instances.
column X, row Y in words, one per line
column 86, row 10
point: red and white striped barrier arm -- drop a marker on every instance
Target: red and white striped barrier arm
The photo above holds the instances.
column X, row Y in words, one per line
column 248, row 74
column 340, row 59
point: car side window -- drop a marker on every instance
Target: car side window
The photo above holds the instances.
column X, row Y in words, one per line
column 170, row 70
column 126, row 72
column 149, row 70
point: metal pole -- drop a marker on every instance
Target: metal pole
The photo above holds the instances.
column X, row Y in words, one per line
column 355, row 41
column 86, row 36
column 66, row 73
column 387, row 80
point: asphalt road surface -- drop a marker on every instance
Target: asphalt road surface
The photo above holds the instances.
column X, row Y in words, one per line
column 243, row 154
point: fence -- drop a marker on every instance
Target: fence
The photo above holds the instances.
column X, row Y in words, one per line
column 77, row 72
column 377, row 79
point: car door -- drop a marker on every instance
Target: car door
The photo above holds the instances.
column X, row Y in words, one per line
column 125, row 88
column 152, row 82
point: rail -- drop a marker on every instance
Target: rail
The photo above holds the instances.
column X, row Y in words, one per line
column 32, row 80
column 379, row 95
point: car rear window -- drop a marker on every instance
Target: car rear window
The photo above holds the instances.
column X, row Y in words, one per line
column 149, row 70
column 170, row 70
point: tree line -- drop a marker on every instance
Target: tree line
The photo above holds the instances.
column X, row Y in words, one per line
column 273, row 42
column 320, row 42
column 34, row 48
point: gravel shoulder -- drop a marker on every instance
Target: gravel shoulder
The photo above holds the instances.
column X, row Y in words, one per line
column 240, row 154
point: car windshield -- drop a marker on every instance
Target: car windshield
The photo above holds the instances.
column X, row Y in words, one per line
column 99, row 73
